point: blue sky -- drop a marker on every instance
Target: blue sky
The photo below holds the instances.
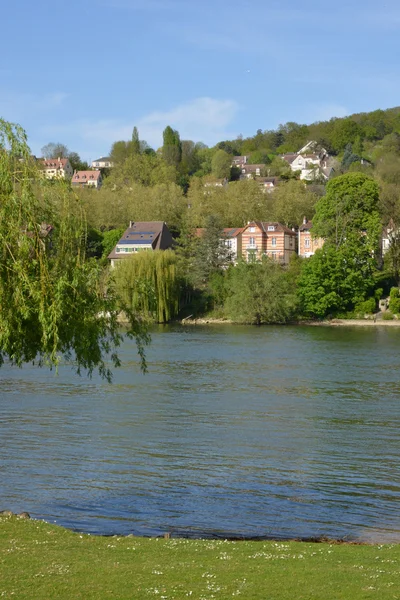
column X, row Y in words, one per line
column 84, row 72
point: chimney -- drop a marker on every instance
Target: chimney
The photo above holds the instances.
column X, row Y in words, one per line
column 304, row 220
column 131, row 223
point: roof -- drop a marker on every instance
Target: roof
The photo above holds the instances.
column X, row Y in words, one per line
column 102, row 159
column 265, row 224
column 305, row 226
column 54, row 163
column 289, row 157
column 231, row 232
column 85, row 176
column 144, row 232
column 248, row 167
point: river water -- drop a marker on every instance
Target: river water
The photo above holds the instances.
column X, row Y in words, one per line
column 235, row 431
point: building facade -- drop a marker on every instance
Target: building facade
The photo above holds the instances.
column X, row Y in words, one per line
column 268, row 239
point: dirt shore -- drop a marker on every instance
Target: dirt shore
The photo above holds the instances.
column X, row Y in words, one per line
column 331, row 323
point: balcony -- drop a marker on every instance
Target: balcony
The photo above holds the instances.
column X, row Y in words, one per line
column 251, row 247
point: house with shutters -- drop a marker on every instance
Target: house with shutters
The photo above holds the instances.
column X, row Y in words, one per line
column 56, row 168
column 103, row 162
column 307, row 243
column 141, row 236
column 268, row 239
column 85, row 179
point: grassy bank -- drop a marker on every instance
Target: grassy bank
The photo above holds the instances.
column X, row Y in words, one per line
column 42, row 561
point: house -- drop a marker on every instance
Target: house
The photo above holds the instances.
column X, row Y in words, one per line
column 268, row 239
column 56, row 168
column 85, row 179
column 267, row 184
column 140, row 236
column 307, row 244
column 312, row 161
column 103, row 162
column 239, row 161
column 231, row 238
column 251, row 171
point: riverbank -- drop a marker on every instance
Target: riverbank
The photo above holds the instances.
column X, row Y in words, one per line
column 328, row 323
column 39, row 560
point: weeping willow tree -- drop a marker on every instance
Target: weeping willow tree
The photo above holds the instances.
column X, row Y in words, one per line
column 53, row 303
column 148, row 283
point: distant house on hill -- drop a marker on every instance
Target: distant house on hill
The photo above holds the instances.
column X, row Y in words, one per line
column 267, row 184
column 56, row 168
column 312, row 161
column 87, row 179
column 239, row 161
column 251, row 171
column 140, row 236
column 103, row 162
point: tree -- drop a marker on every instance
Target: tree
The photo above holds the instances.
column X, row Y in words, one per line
column 76, row 162
column 221, row 164
column 211, row 254
column 290, row 202
column 52, row 300
column 135, row 145
column 148, row 282
column 55, row 150
column 259, row 293
column 349, row 212
column 334, row 280
column 119, row 152
column 172, row 148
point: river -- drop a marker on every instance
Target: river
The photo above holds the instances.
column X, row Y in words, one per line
column 282, row 432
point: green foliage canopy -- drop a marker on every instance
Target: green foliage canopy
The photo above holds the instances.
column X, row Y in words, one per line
column 54, row 302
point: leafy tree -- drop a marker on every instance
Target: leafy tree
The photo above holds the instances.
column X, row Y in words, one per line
column 76, row 162
column 221, row 164
column 148, row 283
column 349, row 157
column 172, row 147
column 259, row 293
column 119, row 152
column 334, row 280
column 211, row 253
column 55, row 150
column 110, row 240
column 135, row 144
column 52, row 303
column 349, row 211
column 290, row 202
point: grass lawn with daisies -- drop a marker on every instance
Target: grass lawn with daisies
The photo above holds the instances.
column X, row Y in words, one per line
column 42, row 561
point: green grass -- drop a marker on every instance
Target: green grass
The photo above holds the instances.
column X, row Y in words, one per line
column 42, row 561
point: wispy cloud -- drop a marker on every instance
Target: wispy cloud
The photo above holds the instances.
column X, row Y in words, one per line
column 16, row 106
column 202, row 119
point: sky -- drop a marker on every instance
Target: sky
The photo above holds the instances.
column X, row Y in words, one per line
column 85, row 72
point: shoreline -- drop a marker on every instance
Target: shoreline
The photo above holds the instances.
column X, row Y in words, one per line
column 302, row 323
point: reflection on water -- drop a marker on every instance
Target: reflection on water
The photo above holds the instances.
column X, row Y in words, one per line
column 236, row 431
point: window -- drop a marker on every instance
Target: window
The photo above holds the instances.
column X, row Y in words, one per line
column 228, row 243
column 252, row 241
column 252, row 229
column 273, row 241
column 307, row 243
column 271, row 227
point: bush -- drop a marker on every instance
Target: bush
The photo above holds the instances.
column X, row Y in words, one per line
column 394, row 302
column 387, row 316
column 365, row 308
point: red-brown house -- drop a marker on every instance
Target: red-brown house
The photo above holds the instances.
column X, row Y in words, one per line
column 268, row 239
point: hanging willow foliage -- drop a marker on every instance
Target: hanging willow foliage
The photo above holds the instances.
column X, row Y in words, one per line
column 52, row 300
column 148, row 283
